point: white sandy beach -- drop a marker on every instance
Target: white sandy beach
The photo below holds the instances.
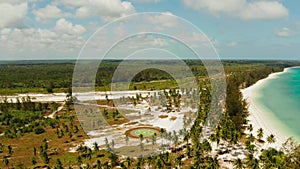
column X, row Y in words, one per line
column 261, row 117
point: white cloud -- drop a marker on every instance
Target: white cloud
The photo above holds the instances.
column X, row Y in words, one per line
column 283, row 32
column 163, row 20
column 14, row 2
column 71, row 3
column 93, row 26
column 147, row 1
column 12, row 14
column 215, row 6
column 265, row 10
column 158, row 42
column 248, row 10
column 5, row 33
column 63, row 38
column 49, row 12
column 104, row 9
column 232, row 44
column 66, row 27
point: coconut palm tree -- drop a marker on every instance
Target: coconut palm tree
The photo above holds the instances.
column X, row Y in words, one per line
column 271, row 139
column 142, row 146
column 178, row 161
column 251, row 138
column 33, row 161
column 141, row 137
column 126, row 139
column 128, row 162
column 113, row 159
column 9, row 148
column 98, row 164
column 89, row 153
column 95, row 146
column 112, row 144
column 250, row 148
column 107, row 145
column 255, row 164
column 159, row 162
column 153, row 139
column 260, row 134
column 79, row 160
column 5, row 161
column 249, row 160
column 213, row 163
column 238, row 164
column 59, row 164
column 250, row 127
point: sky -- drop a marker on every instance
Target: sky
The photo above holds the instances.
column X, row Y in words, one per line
column 236, row 29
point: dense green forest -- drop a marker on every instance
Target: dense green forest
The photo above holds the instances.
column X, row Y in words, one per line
column 56, row 76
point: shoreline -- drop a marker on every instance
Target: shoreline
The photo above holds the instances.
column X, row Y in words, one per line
column 261, row 117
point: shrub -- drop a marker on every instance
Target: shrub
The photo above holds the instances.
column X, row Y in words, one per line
column 39, row 130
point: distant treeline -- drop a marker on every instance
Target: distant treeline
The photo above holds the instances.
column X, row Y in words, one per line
column 48, row 75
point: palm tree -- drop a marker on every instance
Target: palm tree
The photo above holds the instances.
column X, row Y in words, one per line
column 159, row 162
column 251, row 138
column 250, row 128
column 249, row 160
column 271, row 139
column 235, row 137
column 141, row 137
column 96, row 147
column 107, row 100
column 214, row 163
column 142, row 146
column 178, row 161
column 250, row 148
column 58, row 164
column 79, row 159
column 106, row 141
column 89, row 153
column 5, row 161
column 260, row 134
column 238, row 164
column 126, row 139
column 9, row 149
column 128, row 161
column 112, row 144
column 98, row 165
column 255, row 164
column 113, row 159
column 33, row 161
column 34, row 151
column 153, row 139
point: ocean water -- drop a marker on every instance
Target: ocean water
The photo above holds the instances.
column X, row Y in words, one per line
column 281, row 96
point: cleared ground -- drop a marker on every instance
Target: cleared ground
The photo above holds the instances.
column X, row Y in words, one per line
column 145, row 131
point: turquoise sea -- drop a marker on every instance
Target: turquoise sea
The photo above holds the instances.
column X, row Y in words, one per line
column 281, row 96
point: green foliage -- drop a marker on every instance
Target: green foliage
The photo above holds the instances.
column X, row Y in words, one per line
column 20, row 118
column 273, row 159
column 39, row 130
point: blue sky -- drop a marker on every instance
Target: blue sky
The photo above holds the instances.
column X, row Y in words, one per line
column 238, row 29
